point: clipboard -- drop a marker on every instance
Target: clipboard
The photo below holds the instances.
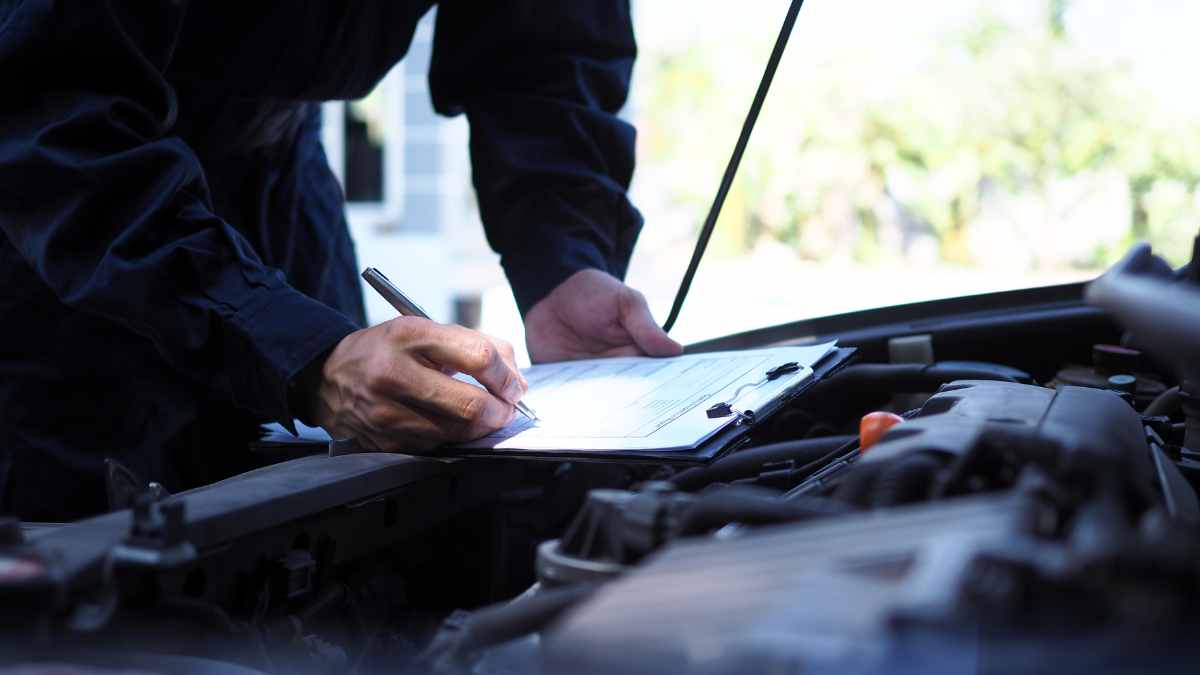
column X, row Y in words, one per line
column 726, row 440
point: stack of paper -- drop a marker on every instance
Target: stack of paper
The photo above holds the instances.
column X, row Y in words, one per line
column 639, row 403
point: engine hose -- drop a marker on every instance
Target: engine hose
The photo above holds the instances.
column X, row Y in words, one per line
column 905, row 479
column 1165, row 404
column 502, row 623
column 750, row 506
column 912, row 377
column 750, row 461
column 1189, row 399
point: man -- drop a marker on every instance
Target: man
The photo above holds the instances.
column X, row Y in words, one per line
column 175, row 264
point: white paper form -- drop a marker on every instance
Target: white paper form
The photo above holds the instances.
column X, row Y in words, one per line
column 641, row 403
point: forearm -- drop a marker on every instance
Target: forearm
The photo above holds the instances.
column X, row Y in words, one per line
column 542, row 86
column 111, row 212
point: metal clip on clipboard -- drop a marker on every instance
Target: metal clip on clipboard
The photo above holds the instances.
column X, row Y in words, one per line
column 725, row 408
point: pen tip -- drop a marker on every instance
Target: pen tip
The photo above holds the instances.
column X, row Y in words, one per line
column 528, row 412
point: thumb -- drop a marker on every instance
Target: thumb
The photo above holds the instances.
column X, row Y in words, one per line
column 651, row 339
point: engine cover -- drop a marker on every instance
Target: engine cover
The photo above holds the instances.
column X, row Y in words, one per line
column 830, row 595
column 1072, row 428
column 819, row 595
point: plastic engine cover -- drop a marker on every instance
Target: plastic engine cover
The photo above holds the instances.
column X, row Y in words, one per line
column 823, row 595
column 1073, row 426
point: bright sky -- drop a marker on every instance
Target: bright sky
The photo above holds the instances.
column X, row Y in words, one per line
column 1151, row 37
column 1155, row 37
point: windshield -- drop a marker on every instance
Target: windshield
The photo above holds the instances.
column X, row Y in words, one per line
column 910, row 151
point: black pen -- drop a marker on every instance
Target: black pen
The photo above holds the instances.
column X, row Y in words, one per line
column 396, row 298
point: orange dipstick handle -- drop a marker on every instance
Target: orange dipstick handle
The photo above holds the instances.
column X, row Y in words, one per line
column 873, row 426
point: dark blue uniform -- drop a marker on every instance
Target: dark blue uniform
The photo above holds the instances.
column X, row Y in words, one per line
column 173, row 250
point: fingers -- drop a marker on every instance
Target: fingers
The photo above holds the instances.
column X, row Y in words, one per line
column 627, row 350
column 386, row 387
column 411, row 429
column 646, row 333
column 473, row 412
column 490, row 361
column 421, row 408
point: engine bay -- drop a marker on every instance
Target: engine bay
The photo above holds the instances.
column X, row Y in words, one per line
column 1002, row 483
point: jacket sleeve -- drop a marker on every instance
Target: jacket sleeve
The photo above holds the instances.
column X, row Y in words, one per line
column 541, row 84
column 112, row 212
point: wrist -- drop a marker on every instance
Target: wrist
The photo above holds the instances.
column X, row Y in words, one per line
column 304, row 391
column 533, row 277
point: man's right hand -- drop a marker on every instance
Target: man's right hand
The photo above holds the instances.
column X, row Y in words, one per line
column 390, row 387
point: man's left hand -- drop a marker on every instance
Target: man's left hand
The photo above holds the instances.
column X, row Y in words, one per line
column 593, row 314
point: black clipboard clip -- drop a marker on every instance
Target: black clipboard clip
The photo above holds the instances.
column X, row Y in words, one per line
column 725, row 408
column 718, row 410
column 782, row 369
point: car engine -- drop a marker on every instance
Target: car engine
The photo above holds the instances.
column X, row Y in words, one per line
column 996, row 484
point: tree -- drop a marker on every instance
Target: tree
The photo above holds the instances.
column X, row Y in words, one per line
column 1010, row 142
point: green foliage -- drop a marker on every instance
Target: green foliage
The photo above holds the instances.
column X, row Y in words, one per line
column 1001, row 125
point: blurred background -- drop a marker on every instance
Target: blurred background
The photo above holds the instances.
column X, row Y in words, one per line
column 907, row 151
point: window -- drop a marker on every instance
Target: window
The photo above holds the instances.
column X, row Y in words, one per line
column 364, row 141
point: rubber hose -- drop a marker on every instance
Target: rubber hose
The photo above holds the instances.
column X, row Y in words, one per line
column 910, row 377
column 750, row 461
column 505, row 622
column 1165, row 404
column 751, row 506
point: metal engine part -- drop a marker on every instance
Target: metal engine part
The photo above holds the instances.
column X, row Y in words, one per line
column 1074, row 545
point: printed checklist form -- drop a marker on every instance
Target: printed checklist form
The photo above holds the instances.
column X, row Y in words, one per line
column 642, row 403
